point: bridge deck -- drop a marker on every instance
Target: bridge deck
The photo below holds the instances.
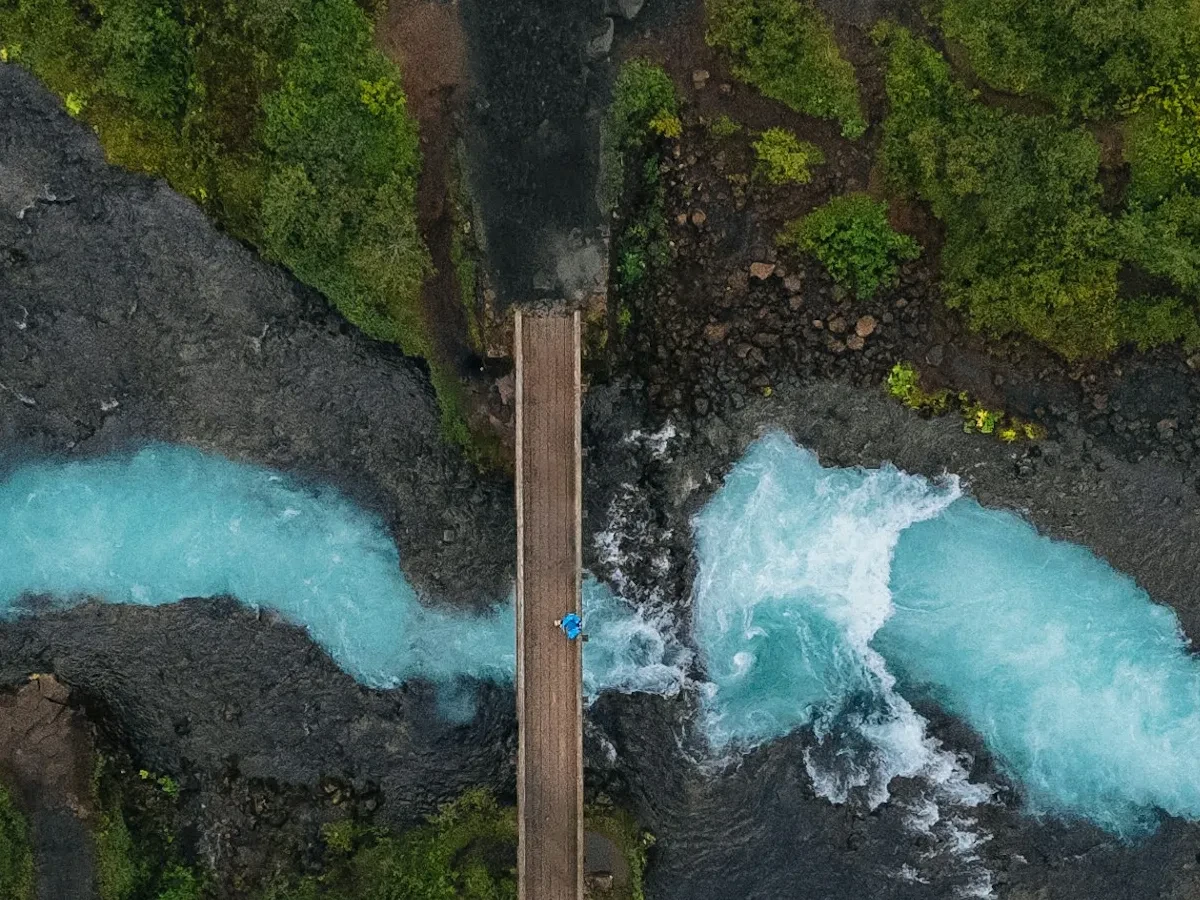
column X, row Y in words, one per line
column 549, row 705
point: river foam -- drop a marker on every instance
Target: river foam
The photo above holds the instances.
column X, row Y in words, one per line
column 827, row 598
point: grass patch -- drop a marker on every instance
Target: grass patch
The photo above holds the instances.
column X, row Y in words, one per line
column 785, row 159
column 786, row 49
column 465, row 852
column 16, row 855
column 277, row 116
column 464, row 250
column 851, row 237
column 643, row 113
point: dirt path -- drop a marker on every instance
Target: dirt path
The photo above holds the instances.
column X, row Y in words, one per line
column 46, row 754
column 424, row 37
column 549, row 667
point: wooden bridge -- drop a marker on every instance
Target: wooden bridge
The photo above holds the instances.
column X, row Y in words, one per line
column 549, row 667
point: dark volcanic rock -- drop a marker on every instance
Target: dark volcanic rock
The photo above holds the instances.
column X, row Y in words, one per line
column 227, row 703
column 126, row 317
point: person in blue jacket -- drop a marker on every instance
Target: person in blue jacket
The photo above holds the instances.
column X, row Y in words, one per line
column 572, row 627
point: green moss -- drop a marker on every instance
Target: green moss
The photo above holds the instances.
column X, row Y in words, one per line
column 785, row 159
column 723, row 127
column 16, row 855
column 851, row 237
column 786, row 49
column 117, row 873
column 904, row 384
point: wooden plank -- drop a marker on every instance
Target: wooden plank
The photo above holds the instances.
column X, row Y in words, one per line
column 549, row 667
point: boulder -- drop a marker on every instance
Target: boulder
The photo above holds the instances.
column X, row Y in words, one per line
column 627, row 9
column 601, row 43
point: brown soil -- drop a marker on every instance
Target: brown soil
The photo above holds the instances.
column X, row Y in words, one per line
column 46, row 755
column 425, row 39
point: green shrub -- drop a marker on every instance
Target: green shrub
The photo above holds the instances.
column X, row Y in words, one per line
column 452, row 857
column 644, row 110
column 144, row 47
column 904, row 383
column 180, row 883
column 851, row 237
column 644, row 107
column 723, row 127
column 786, row 49
column 1153, row 321
column 1162, row 140
column 783, row 158
column 16, row 856
column 1028, row 248
column 1164, row 240
column 1084, row 57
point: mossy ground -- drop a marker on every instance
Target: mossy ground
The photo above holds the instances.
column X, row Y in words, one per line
column 16, row 855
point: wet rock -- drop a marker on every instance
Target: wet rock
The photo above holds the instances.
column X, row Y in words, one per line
column 762, row 270
column 716, row 332
column 627, row 9
column 865, row 326
column 795, row 303
column 935, row 355
column 506, row 387
column 601, row 43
